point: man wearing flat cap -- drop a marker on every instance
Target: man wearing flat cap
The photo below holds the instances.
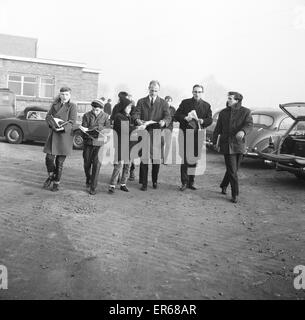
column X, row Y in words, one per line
column 95, row 121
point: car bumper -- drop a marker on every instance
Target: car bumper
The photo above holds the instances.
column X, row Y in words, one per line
column 290, row 168
column 252, row 155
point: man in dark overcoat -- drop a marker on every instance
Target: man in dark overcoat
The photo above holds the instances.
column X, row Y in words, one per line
column 59, row 143
column 204, row 119
column 229, row 136
column 153, row 108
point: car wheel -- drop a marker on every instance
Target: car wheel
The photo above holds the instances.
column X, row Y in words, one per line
column 14, row 134
column 78, row 141
column 300, row 176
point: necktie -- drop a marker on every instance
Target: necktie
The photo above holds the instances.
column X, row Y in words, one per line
column 151, row 102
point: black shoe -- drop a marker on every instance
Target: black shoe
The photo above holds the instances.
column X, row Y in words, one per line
column 223, row 190
column 192, row 187
column 92, row 191
column 155, row 185
column 131, row 176
column 143, row 188
column 124, row 188
column 55, row 187
column 183, row 187
column 111, row 189
column 48, row 182
column 234, row 199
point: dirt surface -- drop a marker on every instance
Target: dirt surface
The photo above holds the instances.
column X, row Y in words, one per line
column 159, row 244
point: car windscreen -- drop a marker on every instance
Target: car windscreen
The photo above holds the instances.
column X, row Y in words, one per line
column 262, row 120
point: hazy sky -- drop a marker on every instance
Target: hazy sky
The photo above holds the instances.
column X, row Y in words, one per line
column 255, row 47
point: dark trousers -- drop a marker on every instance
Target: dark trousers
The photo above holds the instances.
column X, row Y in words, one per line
column 132, row 167
column 92, row 164
column 232, row 162
column 144, row 173
column 55, row 164
column 185, row 177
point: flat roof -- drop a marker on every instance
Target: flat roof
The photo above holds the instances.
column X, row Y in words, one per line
column 49, row 61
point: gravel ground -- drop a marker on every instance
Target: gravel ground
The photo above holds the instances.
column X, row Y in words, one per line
column 159, row 244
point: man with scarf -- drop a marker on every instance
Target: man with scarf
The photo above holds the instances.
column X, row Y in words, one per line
column 95, row 121
column 233, row 124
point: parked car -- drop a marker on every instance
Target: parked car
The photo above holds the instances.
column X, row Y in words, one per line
column 289, row 149
column 266, row 123
column 30, row 125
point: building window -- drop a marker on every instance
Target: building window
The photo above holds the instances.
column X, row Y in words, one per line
column 47, row 86
column 23, row 85
column 14, row 83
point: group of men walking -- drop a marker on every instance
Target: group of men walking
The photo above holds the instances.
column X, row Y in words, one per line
column 194, row 115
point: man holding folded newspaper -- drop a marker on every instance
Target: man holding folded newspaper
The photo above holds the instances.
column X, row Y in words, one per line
column 93, row 123
column 151, row 112
column 193, row 115
column 60, row 118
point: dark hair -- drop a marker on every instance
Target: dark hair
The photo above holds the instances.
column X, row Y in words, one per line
column 198, row 85
column 168, row 97
column 124, row 102
column 65, row 89
column 122, row 94
column 237, row 95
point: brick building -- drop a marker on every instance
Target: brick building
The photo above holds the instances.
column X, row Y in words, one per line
column 36, row 81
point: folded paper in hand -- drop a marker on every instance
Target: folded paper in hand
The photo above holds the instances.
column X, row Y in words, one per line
column 57, row 123
column 194, row 123
column 149, row 125
column 91, row 133
column 193, row 114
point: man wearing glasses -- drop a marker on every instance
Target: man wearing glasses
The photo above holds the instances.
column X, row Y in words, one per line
column 193, row 114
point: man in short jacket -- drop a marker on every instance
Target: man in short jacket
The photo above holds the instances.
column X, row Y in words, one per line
column 233, row 124
column 97, row 120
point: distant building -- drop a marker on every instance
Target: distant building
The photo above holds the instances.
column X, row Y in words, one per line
column 36, row 81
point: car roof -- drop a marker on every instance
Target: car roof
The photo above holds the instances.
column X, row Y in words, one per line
column 267, row 111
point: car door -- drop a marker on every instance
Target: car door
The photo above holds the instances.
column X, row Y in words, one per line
column 37, row 126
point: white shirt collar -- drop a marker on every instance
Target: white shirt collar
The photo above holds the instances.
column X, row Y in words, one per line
column 152, row 98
